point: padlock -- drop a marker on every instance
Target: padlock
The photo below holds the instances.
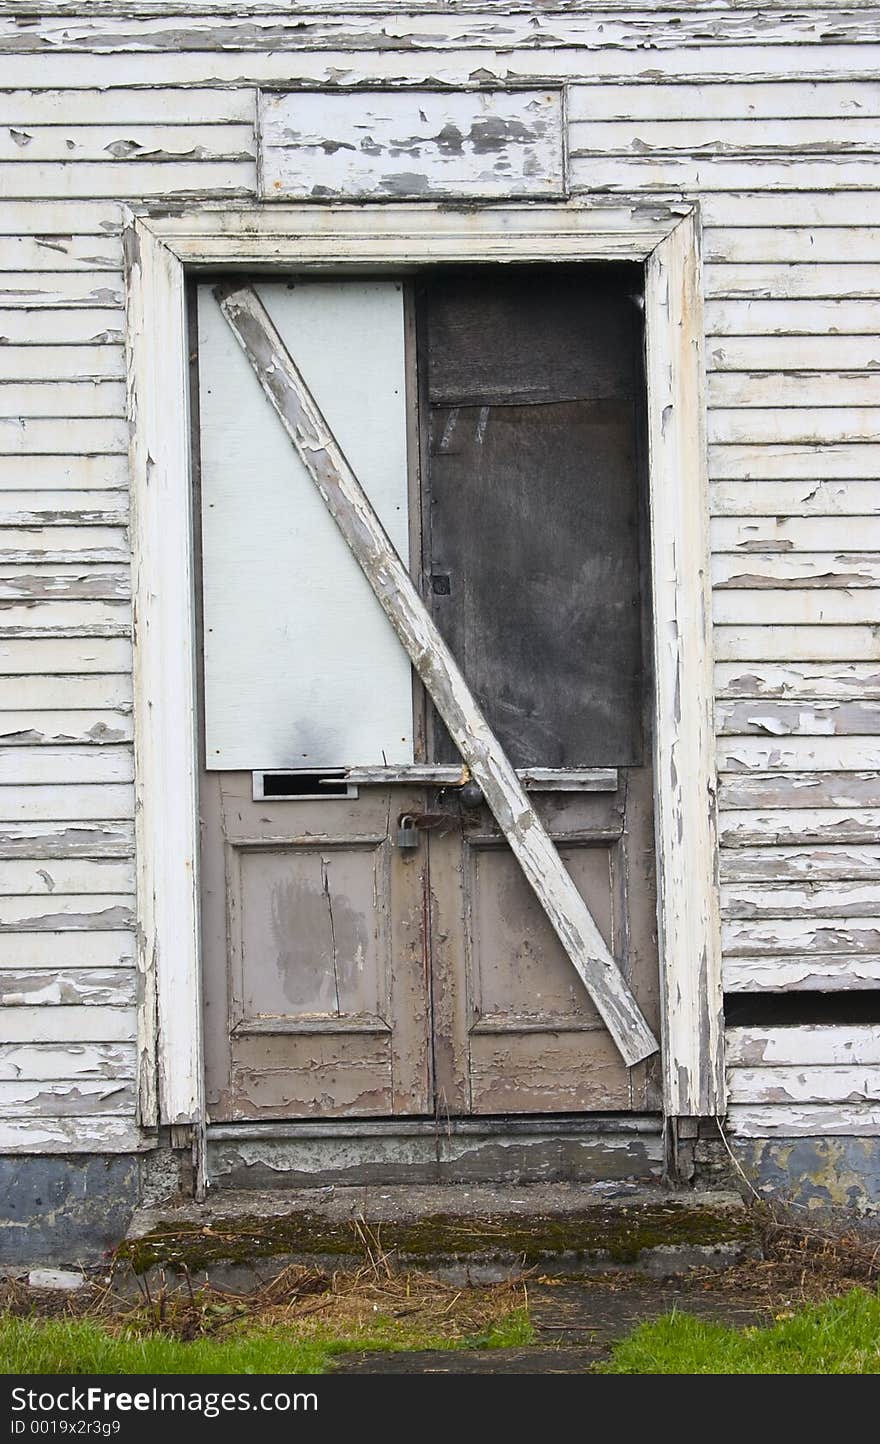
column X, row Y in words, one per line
column 407, row 833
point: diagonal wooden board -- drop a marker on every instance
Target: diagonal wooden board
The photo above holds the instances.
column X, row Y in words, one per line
column 364, row 534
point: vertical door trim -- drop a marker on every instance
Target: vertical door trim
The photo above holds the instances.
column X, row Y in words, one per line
column 684, row 729
column 170, row 1072
column 158, row 249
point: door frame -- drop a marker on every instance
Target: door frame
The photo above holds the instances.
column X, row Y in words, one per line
column 160, row 251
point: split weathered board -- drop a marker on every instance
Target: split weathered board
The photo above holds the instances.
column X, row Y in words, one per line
column 348, row 504
column 488, row 144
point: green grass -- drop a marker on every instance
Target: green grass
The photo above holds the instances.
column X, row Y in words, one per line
column 81, row 1346
column 841, row 1336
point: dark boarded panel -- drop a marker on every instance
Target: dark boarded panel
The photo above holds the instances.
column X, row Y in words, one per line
column 534, row 509
column 530, row 335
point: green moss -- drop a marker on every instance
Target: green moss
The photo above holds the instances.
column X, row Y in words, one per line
column 620, row 1234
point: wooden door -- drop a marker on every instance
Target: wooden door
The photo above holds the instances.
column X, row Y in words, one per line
column 316, row 994
column 353, row 969
column 533, row 545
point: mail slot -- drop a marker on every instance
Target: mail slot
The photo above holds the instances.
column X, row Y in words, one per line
column 301, row 786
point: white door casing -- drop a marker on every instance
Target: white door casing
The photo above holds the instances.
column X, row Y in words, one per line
column 159, row 251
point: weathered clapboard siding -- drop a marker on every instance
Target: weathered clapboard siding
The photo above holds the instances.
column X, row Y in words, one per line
column 769, row 116
column 808, row 719
column 784, row 863
column 53, row 1061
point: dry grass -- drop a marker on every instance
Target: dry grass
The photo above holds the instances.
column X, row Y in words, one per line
column 405, row 1308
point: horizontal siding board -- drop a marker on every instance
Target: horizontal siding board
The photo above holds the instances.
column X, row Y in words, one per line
column 40, row 729
column 720, row 173
column 800, row 789
column 808, row 899
column 63, row 544
column 802, row 719
column 65, row 619
column 792, row 280
column 616, row 29
column 126, row 141
column 804, row 464
column 802, row 973
column 40, row 876
column 63, row 508
column 66, row 841
column 67, row 950
column 802, row 936
column 39, row 765
column 69, row 802
column 156, row 106
column 789, row 606
column 746, row 209
column 58, row 363
column 83, row 987
column 726, row 100
column 793, row 1046
column 58, row 912
column 855, row 1120
column 813, row 354
column 814, row 1083
column 781, row 317
column 415, row 58
column 754, row 136
column 61, row 218
column 60, row 290
column 60, row 253
column 768, row 571
column 95, row 326
column 796, row 644
column 33, row 436
column 70, row 582
column 61, row 1025
column 63, row 472
column 804, row 681
column 43, row 656
column 66, row 1099
column 62, row 399
column 50, row 1061
column 95, row 1134
column 56, row 180
column 791, row 425
column 821, row 826
column 40, row 693
column 790, row 534
column 795, row 389
column 798, row 754
column 766, row 245
column 778, row 864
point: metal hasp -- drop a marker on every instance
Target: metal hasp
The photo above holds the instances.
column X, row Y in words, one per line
column 350, row 508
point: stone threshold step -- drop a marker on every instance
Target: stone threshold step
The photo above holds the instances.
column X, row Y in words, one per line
column 465, row 1234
